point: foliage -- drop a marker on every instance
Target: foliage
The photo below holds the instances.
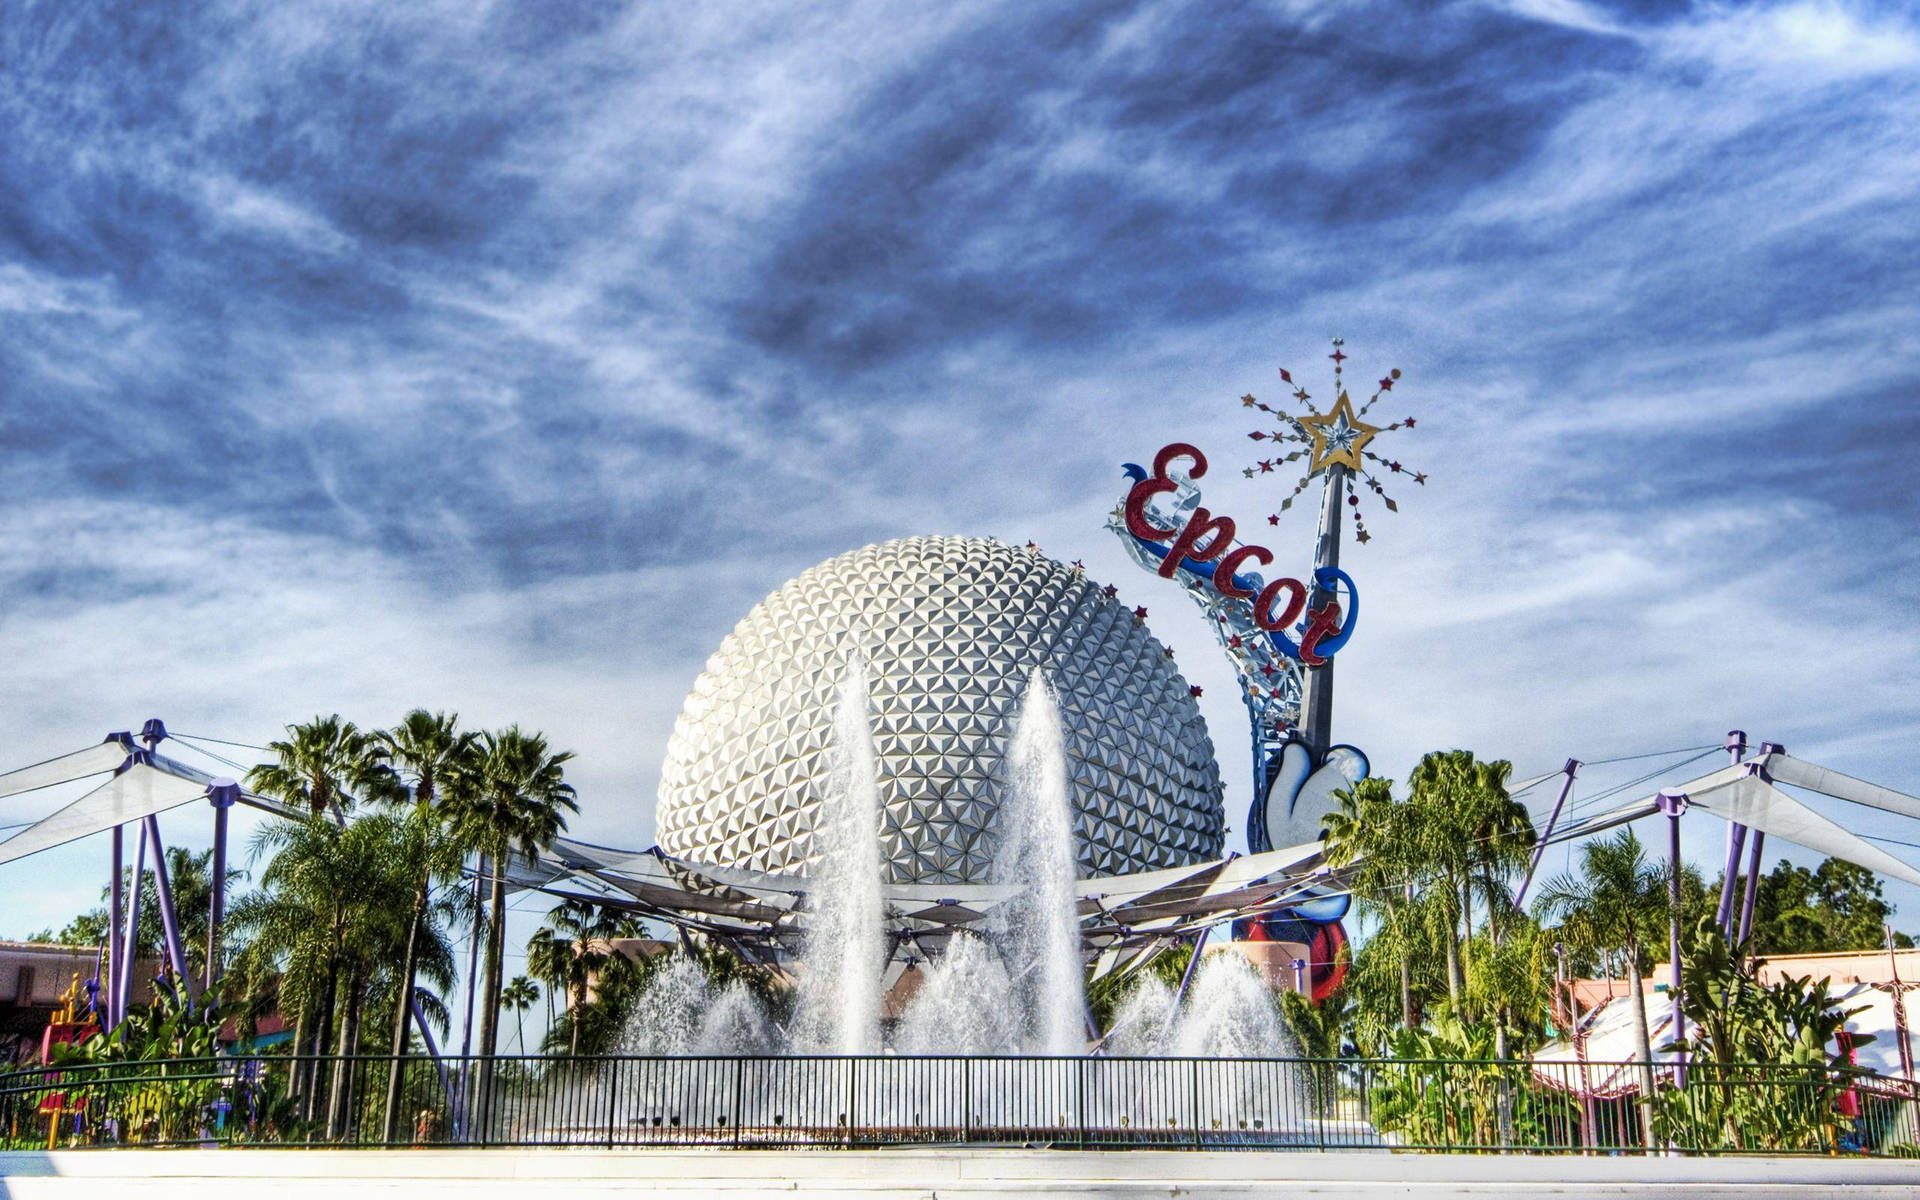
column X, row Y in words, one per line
column 1837, row 906
column 322, row 767
column 1735, row 1022
column 190, row 875
column 509, row 796
column 1447, row 1090
column 574, row 946
column 155, row 1097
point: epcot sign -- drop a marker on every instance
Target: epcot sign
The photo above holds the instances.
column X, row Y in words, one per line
column 1203, row 547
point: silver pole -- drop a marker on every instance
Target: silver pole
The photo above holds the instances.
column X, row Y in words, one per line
column 1316, row 697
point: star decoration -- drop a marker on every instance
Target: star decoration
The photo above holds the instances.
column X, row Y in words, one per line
column 1194, row 691
column 1339, row 438
column 1140, row 614
column 1109, row 591
column 1234, row 641
column 1078, row 566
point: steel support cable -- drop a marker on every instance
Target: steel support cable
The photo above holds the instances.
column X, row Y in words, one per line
column 200, row 737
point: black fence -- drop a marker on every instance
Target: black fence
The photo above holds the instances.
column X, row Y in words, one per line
column 747, row 1102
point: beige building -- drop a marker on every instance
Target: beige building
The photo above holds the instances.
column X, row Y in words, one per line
column 33, row 978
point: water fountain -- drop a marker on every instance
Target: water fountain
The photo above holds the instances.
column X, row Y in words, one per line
column 1018, row 990
column 844, row 958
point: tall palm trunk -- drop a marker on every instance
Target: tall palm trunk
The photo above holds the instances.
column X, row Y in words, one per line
column 577, row 997
column 490, row 987
column 316, row 1066
column 1466, row 928
column 403, row 1014
column 1643, row 1038
column 295, row 1078
column 1406, row 992
column 340, row 1099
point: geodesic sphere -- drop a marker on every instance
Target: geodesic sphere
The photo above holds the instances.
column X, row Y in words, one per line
column 952, row 629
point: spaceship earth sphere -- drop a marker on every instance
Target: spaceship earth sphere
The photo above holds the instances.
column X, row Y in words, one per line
column 952, row 629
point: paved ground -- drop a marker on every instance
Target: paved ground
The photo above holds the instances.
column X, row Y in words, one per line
column 960, row 1174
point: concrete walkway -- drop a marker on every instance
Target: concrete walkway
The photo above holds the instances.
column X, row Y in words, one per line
column 995, row 1174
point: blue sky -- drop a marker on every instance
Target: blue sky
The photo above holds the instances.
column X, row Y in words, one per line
column 499, row 357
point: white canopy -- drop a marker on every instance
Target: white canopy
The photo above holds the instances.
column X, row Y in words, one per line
column 94, row 760
column 143, row 784
column 1745, row 793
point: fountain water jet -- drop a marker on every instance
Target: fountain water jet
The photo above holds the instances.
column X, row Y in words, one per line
column 1039, row 931
column 843, row 960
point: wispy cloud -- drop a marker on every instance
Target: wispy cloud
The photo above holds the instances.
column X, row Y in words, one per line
column 499, row 357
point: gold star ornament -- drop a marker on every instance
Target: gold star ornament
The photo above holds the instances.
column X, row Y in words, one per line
column 1338, row 437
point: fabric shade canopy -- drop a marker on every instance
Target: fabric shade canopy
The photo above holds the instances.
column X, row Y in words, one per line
column 1745, row 793
column 94, row 760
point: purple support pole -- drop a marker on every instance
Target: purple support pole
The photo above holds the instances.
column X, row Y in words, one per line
column 1519, row 897
column 221, row 793
column 129, row 945
column 1674, row 806
column 1753, row 884
column 116, row 914
column 169, row 917
column 1736, row 835
column 1300, row 975
column 1730, row 875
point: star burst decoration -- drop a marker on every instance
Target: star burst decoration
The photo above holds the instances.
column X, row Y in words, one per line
column 1339, row 437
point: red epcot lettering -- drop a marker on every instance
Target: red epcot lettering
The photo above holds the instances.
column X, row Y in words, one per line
column 1230, row 566
column 1187, row 545
column 1263, row 615
column 1147, row 489
column 1322, row 622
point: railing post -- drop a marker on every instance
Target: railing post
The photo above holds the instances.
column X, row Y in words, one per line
column 739, row 1095
column 853, row 1088
column 1193, row 1075
column 1080, row 1101
column 613, row 1096
column 966, row 1099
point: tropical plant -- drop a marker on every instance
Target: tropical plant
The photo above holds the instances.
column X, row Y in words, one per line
column 190, row 876
column 519, row 995
column 1618, row 902
column 1472, row 835
column 512, row 797
column 324, row 766
column 424, row 750
column 572, row 947
column 1446, row 1088
column 1369, row 834
column 328, row 926
column 1767, row 1067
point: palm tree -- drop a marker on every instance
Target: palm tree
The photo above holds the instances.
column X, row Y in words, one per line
column 328, row 919
column 572, row 947
column 1473, row 835
column 424, row 750
column 324, row 766
column 520, row 995
column 1617, row 902
column 1368, row 832
column 512, row 798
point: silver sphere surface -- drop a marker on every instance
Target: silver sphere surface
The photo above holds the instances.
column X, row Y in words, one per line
column 952, row 629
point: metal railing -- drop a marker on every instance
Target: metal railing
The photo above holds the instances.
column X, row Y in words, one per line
column 751, row 1102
